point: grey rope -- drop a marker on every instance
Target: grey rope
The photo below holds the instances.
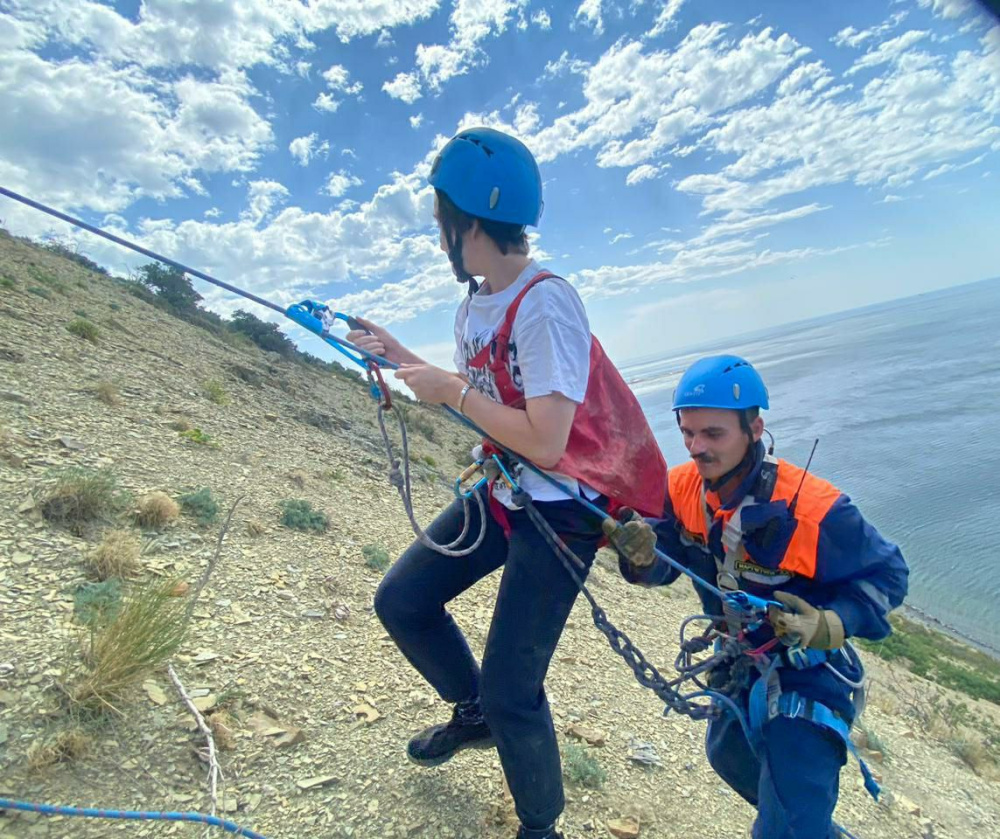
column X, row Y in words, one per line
column 400, row 479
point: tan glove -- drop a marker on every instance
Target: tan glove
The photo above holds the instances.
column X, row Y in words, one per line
column 632, row 537
column 805, row 625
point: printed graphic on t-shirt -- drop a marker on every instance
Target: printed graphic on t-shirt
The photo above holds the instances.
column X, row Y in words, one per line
column 482, row 378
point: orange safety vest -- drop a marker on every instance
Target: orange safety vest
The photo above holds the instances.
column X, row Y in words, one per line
column 697, row 509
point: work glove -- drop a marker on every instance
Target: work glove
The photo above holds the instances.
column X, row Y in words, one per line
column 805, row 625
column 632, row 537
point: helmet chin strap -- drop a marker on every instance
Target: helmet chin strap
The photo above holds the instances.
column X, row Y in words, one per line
column 455, row 257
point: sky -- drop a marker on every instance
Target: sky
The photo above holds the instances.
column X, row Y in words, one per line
column 710, row 167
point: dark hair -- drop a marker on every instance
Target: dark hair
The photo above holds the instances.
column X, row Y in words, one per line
column 506, row 236
column 747, row 417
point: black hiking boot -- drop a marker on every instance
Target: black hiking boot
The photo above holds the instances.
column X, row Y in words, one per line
column 466, row 730
column 545, row 833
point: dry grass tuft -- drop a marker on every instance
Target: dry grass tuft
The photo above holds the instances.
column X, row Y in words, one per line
column 157, row 509
column 221, row 725
column 64, row 746
column 116, row 556
column 81, row 497
column 108, row 394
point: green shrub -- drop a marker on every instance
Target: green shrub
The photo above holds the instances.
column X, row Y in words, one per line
column 200, row 505
column 97, row 603
column 265, row 335
column 376, row 557
column 47, row 279
column 201, row 438
column 68, row 251
column 300, row 515
column 935, row 656
column 83, row 328
column 581, row 768
column 416, row 421
column 171, row 287
column 214, row 390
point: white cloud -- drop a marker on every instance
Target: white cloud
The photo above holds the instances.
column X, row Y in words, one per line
column 692, row 264
column 526, row 119
column 851, row 37
column 306, row 148
column 541, row 19
column 437, row 63
column 262, row 197
column 922, row 113
column 949, row 9
column 641, row 173
column 326, row 103
column 339, row 182
column 432, row 286
column 589, row 13
column 739, row 222
column 564, row 64
column 337, row 79
column 621, row 237
column 416, row 120
column 639, row 104
column 148, row 104
column 406, row 86
column 887, row 51
column 471, row 22
column 222, row 35
column 889, row 198
column 665, row 20
column 87, row 134
column 944, row 168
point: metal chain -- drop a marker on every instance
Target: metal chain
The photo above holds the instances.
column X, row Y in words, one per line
column 646, row 673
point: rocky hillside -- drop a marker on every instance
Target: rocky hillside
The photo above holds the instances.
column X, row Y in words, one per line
column 309, row 698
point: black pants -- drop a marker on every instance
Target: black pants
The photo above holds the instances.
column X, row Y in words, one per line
column 535, row 598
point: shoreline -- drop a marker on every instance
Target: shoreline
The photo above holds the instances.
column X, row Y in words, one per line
column 928, row 621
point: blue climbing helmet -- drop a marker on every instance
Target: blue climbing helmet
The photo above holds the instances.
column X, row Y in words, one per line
column 490, row 175
column 721, row 381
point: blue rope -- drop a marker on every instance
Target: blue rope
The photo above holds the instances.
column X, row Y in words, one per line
column 130, row 815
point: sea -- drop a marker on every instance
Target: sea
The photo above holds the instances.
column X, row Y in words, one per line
column 904, row 399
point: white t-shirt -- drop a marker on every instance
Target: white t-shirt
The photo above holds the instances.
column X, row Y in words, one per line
column 549, row 352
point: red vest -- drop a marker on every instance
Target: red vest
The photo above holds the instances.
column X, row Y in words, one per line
column 611, row 446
